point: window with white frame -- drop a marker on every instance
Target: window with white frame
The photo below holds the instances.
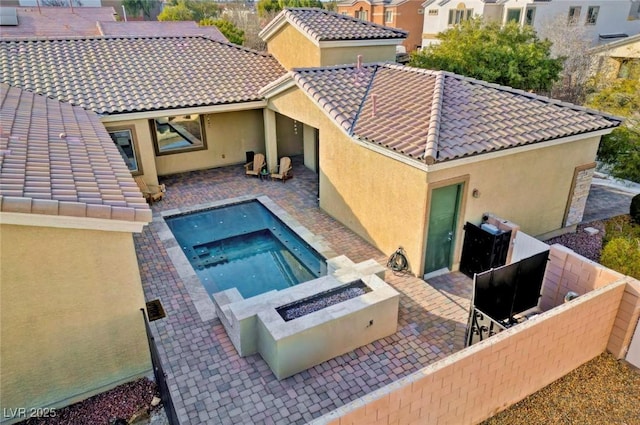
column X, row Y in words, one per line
column 574, row 15
column 178, row 134
column 362, row 14
column 529, row 15
column 592, row 15
column 388, row 16
column 124, row 139
column 456, row 16
column 514, row 15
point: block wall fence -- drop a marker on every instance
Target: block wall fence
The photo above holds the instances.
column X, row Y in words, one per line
column 479, row 381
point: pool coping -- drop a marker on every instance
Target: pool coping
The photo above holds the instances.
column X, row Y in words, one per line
column 199, row 296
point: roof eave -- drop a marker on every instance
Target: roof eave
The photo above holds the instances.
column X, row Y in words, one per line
column 362, row 43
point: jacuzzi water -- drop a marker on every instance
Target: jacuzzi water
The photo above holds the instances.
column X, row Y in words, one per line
column 244, row 246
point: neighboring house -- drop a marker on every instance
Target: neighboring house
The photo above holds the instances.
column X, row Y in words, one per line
column 70, row 319
column 619, row 59
column 33, row 22
column 155, row 28
column 48, row 22
column 603, row 19
column 403, row 14
column 404, row 156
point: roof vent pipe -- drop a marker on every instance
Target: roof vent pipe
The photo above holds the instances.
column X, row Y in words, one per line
column 374, row 98
column 359, row 62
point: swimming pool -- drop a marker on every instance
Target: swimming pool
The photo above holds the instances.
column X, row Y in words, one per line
column 244, row 246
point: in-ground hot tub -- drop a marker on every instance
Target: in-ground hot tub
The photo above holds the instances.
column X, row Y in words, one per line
column 345, row 310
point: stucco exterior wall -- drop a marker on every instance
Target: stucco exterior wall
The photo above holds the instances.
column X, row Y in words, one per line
column 70, row 323
column 379, row 198
column 290, row 135
column 292, row 49
column 228, row 134
column 144, row 147
column 529, row 188
column 347, row 55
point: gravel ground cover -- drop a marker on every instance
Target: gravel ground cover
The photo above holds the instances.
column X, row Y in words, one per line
column 106, row 408
column 603, row 391
column 585, row 244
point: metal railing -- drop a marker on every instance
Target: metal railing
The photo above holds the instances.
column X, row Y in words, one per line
column 160, row 376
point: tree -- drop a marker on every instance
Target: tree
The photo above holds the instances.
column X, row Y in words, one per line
column 189, row 10
column 273, row 6
column 620, row 150
column 228, row 29
column 573, row 43
column 134, row 7
column 509, row 55
column 179, row 12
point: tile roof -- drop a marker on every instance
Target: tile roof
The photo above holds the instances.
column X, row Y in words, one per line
column 159, row 28
column 436, row 116
column 57, row 22
column 111, row 75
column 58, row 159
column 323, row 25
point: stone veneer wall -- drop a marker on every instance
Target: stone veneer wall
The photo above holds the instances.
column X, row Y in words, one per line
column 481, row 380
column 579, row 194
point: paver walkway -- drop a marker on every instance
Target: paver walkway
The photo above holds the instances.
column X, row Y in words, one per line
column 210, row 383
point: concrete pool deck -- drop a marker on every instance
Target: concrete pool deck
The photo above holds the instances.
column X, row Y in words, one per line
column 211, row 383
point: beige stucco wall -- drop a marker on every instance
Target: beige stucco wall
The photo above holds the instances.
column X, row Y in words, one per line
column 289, row 136
column 70, row 314
column 385, row 201
column 379, row 198
column 348, row 55
column 144, row 146
column 292, row 49
column 229, row 135
column 529, row 188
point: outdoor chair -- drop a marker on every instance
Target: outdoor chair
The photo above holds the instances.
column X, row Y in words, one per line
column 151, row 193
column 283, row 171
column 253, row 168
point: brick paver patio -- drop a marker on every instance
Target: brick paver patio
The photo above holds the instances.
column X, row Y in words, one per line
column 210, row 383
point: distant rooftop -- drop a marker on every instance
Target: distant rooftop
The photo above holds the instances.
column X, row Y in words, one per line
column 159, row 28
column 110, row 75
column 57, row 159
column 436, row 116
column 57, row 22
column 323, row 25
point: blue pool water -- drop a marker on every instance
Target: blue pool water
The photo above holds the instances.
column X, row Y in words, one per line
column 244, row 246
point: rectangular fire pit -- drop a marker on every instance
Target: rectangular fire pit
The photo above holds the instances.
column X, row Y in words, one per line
column 302, row 326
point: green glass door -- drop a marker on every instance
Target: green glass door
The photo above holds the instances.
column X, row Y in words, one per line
column 443, row 217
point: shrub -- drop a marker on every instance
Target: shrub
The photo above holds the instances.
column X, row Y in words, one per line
column 623, row 255
column 634, row 210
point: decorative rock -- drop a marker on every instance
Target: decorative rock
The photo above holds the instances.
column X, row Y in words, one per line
column 305, row 308
column 591, row 230
column 155, row 401
column 139, row 416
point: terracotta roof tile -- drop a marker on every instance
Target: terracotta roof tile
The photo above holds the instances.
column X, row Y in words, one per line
column 57, row 159
column 438, row 116
column 159, row 28
column 116, row 75
column 323, row 25
column 57, row 22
